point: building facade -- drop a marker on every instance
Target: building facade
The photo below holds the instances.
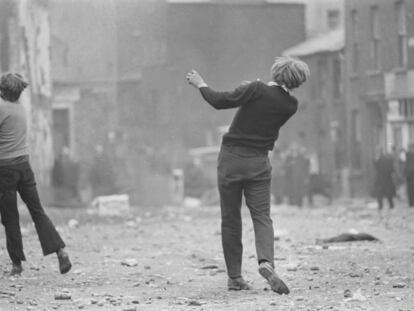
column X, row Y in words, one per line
column 320, row 123
column 321, row 16
column 379, row 85
column 25, row 48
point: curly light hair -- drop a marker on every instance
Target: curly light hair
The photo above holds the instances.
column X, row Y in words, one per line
column 289, row 71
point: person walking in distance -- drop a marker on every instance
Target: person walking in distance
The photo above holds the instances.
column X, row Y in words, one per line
column 384, row 186
column 409, row 174
column 243, row 163
column 16, row 175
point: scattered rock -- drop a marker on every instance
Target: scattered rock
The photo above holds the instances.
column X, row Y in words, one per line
column 399, row 285
column 63, row 296
column 25, row 231
column 130, row 224
column 73, row 223
column 291, row 267
column 357, row 296
column 129, row 262
column 347, row 293
column 210, row 267
column 194, row 303
column 6, row 293
column 355, row 275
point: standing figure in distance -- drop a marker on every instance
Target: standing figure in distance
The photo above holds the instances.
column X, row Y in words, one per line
column 16, row 175
column 409, row 174
column 243, row 163
column 384, row 186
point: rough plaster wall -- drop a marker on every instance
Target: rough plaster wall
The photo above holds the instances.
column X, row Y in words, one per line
column 34, row 62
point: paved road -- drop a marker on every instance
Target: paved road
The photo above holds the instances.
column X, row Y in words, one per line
column 171, row 259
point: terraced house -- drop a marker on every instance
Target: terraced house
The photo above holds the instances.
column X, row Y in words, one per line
column 379, row 82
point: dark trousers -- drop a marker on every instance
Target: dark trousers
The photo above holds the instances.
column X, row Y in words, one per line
column 410, row 188
column 380, row 199
column 318, row 185
column 244, row 171
column 20, row 178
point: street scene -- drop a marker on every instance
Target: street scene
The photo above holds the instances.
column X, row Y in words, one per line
column 207, row 155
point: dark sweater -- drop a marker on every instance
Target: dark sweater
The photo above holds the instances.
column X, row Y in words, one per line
column 263, row 109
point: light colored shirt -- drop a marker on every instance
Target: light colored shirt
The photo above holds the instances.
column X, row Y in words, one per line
column 13, row 130
column 313, row 164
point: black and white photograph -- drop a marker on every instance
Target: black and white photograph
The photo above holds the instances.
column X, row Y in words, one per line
column 211, row 155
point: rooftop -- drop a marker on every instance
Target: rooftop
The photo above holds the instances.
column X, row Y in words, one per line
column 329, row 42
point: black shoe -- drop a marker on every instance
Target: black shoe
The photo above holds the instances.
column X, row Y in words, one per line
column 64, row 262
column 238, row 284
column 17, row 269
column 266, row 270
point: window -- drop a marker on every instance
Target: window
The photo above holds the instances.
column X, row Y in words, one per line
column 397, row 140
column 333, row 19
column 61, row 129
column 337, row 79
column 402, row 33
column 356, row 139
column 322, row 77
column 411, row 132
column 406, row 107
column 375, row 37
column 354, row 37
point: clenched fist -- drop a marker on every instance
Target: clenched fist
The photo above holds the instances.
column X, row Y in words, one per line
column 194, row 78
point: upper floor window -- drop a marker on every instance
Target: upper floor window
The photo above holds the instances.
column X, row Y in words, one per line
column 337, row 79
column 333, row 19
column 375, row 37
column 406, row 107
column 354, row 41
column 322, row 77
column 402, row 33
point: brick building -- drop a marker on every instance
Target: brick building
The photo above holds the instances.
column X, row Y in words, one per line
column 379, row 82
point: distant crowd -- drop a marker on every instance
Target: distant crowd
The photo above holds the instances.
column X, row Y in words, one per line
column 394, row 176
column 297, row 176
